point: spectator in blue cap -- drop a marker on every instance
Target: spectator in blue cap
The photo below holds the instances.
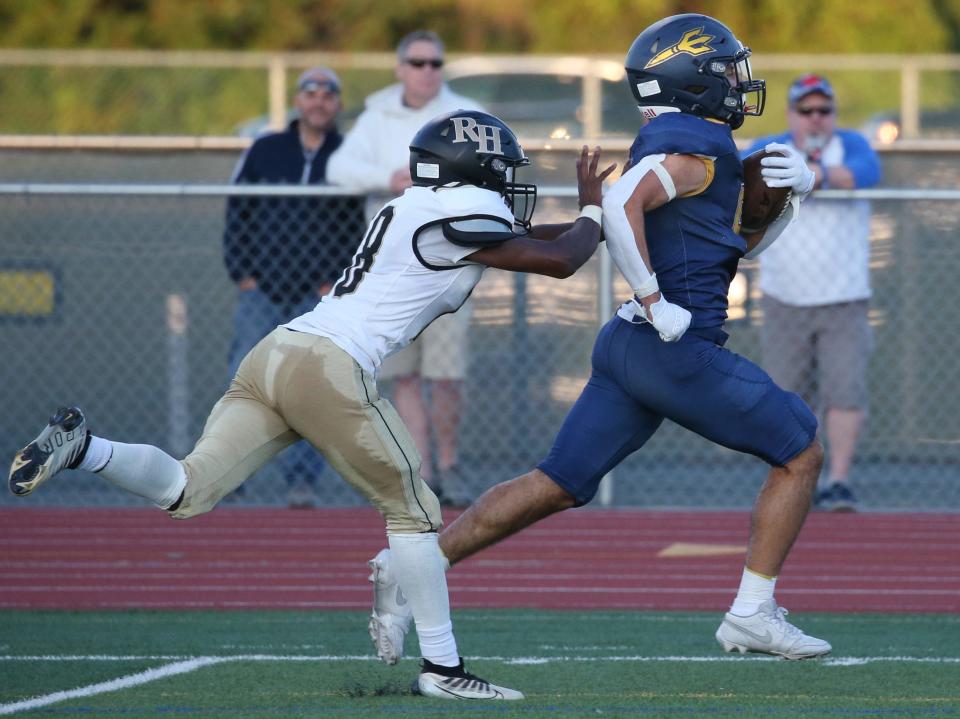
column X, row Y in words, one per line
column 816, row 337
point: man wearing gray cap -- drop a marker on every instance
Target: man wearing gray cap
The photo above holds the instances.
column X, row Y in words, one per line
column 816, row 337
column 284, row 252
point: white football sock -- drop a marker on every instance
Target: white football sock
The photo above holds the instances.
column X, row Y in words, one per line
column 99, row 451
column 438, row 645
column 416, row 562
column 754, row 590
column 145, row 471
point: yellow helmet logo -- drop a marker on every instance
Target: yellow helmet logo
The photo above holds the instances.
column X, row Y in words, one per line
column 693, row 42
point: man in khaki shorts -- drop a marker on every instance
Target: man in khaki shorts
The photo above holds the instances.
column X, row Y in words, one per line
column 428, row 376
column 437, row 362
column 313, row 378
column 816, row 338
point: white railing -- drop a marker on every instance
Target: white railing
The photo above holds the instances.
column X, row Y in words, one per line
column 276, row 68
column 195, row 190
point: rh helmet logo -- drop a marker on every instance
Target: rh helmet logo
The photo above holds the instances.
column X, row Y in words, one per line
column 693, row 42
column 487, row 137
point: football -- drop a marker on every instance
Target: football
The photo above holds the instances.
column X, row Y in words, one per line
column 761, row 204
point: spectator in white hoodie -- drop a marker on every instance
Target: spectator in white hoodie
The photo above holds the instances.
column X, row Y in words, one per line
column 375, row 159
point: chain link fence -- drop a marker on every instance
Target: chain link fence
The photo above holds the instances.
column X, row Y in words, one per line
column 117, row 298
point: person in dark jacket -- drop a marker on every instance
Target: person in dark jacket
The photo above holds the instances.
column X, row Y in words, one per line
column 283, row 253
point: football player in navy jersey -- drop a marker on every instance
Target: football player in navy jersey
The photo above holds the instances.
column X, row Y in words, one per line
column 672, row 225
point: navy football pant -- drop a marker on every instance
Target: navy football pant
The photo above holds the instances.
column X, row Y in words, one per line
column 638, row 381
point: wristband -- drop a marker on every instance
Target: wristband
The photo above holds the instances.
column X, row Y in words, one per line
column 647, row 288
column 593, row 212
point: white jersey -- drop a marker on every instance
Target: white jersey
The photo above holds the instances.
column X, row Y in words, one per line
column 406, row 273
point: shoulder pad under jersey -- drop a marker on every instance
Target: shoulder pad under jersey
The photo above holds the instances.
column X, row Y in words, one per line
column 477, row 230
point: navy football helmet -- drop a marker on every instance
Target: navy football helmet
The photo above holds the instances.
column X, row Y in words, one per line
column 469, row 147
column 694, row 64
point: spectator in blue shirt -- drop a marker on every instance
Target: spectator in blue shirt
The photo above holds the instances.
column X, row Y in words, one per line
column 816, row 338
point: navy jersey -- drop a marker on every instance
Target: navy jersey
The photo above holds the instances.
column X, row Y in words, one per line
column 693, row 240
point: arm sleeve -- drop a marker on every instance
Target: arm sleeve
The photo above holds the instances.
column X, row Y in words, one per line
column 355, row 164
column 861, row 159
column 621, row 240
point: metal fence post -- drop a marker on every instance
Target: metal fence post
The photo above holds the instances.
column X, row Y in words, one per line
column 277, row 89
column 910, row 99
column 605, row 310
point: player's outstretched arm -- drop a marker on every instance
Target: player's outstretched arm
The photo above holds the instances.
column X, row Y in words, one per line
column 568, row 246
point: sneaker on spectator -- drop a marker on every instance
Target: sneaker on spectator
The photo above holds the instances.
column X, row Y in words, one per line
column 453, row 489
column 301, row 496
column 836, row 497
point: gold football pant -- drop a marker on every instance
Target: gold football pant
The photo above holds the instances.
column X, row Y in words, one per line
column 295, row 385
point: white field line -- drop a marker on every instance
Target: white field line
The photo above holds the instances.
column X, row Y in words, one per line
column 205, row 660
column 131, row 680
column 184, row 664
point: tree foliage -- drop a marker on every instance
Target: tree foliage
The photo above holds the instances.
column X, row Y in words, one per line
column 503, row 26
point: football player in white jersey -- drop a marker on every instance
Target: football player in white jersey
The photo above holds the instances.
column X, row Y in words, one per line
column 313, row 378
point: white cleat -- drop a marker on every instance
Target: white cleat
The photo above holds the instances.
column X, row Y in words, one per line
column 58, row 446
column 457, row 683
column 768, row 632
column 390, row 619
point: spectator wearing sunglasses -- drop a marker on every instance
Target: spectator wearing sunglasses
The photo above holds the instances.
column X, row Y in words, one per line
column 816, row 338
column 428, row 376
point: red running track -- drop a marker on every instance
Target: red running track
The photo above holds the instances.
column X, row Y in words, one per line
column 583, row 559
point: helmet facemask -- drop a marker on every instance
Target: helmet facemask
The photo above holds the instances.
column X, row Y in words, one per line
column 521, row 197
column 746, row 96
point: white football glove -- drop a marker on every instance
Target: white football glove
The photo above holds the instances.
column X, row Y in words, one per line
column 787, row 168
column 670, row 320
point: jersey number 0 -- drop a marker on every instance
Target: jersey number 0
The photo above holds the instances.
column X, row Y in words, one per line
column 363, row 258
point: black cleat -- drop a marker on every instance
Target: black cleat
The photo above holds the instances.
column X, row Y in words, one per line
column 457, row 683
column 60, row 445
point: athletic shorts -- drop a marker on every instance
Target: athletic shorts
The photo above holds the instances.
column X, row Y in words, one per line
column 295, row 385
column 821, row 353
column 638, row 380
column 439, row 353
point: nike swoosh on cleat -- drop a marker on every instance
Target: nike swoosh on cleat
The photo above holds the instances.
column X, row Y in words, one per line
column 764, row 638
